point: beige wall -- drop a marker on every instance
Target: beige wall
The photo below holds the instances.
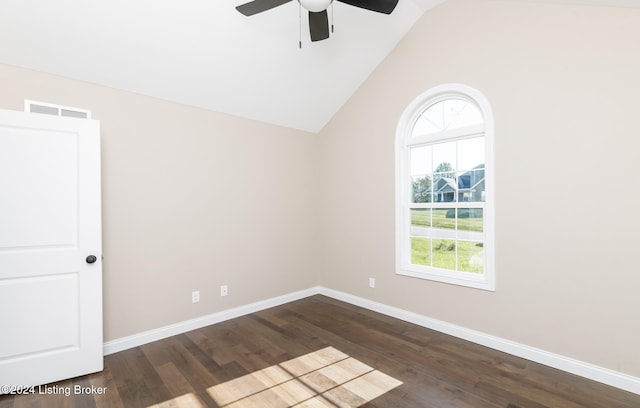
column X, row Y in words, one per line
column 564, row 84
column 192, row 199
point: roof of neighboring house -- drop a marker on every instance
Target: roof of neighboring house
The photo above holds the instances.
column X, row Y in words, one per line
column 444, row 182
column 466, row 180
column 471, row 178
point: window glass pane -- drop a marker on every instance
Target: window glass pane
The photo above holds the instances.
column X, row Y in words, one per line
column 461, row 113
column 444, row 174
column 444, row 254
column 470, row 153
column 444, row 159
column 471, row 256
column 444, row 190
column 444, row 223
column 420, row 232
column 431, row 121
column 421, row 180
column 421, row 157
column 470, row 223
column 421, row 160
column 420, row 217
column 421, row 191
column 420, row 222
column 421, row 251
column 471, row 186
column 452, row 111
column 424, row 126
column 447, row 115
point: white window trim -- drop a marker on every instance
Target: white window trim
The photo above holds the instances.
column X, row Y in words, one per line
column 486, row 281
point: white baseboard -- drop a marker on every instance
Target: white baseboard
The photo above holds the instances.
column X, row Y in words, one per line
column 590, row 371
column 139, row 339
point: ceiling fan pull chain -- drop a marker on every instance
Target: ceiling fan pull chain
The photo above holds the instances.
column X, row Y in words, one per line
column 332, row 16
column 299, row 25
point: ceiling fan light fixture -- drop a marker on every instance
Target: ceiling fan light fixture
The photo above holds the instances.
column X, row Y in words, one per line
column 315, row 5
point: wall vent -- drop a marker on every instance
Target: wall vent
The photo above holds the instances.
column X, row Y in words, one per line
column 55, row 110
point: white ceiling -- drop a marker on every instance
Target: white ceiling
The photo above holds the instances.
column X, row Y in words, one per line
column 204, row 53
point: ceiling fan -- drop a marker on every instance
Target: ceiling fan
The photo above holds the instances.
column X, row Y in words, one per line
column 318, row 19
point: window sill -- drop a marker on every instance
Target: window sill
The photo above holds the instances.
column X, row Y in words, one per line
column 470, row 280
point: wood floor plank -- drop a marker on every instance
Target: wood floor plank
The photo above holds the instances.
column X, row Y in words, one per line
column 178, row 385
column 435, row 370
column 137, row 381
column 192, row 367
column 111, row 395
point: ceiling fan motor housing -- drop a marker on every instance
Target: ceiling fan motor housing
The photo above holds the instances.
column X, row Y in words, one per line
column 315, row 5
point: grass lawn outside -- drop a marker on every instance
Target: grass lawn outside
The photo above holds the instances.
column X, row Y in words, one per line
column 425, row 216
column 455, row 255
column 440, row 253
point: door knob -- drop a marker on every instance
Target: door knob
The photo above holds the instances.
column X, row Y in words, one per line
column 91, row 259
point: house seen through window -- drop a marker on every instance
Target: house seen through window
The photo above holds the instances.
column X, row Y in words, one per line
column 444, row 216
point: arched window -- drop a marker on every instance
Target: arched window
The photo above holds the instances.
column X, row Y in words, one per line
column 444, row 188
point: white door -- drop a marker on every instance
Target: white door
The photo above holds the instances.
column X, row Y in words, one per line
column 50, row 228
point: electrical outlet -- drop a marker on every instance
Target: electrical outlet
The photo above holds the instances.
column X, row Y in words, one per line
column 224, row 290
column 372, row 282
column 195, row 296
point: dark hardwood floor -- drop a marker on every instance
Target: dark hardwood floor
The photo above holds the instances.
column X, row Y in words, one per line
column 436, row 370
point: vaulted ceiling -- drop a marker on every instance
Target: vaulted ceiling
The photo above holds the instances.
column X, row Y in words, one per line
column 204, row 53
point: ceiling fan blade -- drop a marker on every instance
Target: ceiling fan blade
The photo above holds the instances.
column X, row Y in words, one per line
column 318, row 25
column 381, row 6
column 258, row 6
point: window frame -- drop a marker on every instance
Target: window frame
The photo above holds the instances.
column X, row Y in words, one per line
column 404, row 143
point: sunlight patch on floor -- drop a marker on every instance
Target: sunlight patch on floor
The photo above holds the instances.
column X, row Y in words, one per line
column 324, row 378
column 184, row 401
